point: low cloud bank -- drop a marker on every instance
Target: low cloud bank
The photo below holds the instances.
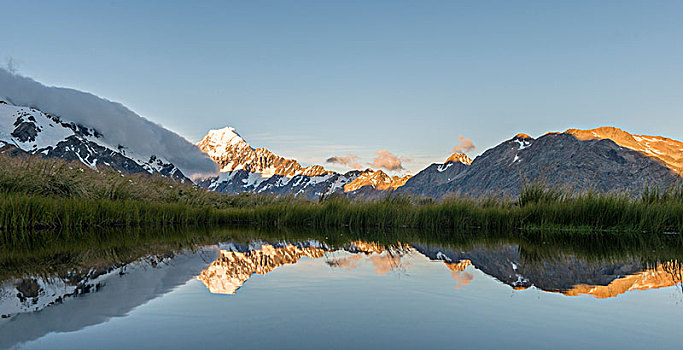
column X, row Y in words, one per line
column 118, row 124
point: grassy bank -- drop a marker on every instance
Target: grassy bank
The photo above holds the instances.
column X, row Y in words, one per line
column 55, row 178
column 40, row 194
column 589, row 212
column 20, row 212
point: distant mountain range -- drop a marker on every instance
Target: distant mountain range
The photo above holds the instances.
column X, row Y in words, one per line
column 76, row 126
column 246, row 169
column 603, row 159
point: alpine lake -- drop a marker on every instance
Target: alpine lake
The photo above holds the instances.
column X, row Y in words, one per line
column 232, row 288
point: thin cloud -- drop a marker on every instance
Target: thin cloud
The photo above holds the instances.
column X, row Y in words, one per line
column 350, row 160
column 12, row 65
column 465, row 145
column 388, row 160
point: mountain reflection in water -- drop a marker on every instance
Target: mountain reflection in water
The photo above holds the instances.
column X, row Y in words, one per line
column 87, row 294
column 566, row 274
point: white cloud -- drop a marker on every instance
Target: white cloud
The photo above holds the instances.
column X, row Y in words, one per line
column 387, row 160
column 118, row 124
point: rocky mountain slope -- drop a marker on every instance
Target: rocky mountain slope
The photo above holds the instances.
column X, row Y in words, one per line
column 258, row 170
column 667, row 150
column 29, row 130
column 591, row 160
column 436, row 174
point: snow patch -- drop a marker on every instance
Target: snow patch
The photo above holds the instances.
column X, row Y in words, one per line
column 253, row 179
column 522, row 143
column 442, row 256
column 48, row 135
column 441, row 168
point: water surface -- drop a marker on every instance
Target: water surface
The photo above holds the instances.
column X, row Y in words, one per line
column 265, row 291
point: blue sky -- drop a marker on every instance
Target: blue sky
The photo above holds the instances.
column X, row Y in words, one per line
column 313, row 79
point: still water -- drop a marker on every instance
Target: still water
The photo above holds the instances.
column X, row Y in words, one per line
column 255, row 293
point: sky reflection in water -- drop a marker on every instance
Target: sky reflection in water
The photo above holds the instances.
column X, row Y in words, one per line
column 365, row 295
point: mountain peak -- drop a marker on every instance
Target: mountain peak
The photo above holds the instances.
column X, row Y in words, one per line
column 378, row 179
column 522, row 136
column 224, row 145
column 459, row 158
column 222, row 137
column 229, row 150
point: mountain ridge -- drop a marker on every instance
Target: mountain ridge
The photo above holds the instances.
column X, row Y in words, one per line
column 667, row 150
column 582, row 159
column 603, row 159
column 247, row 169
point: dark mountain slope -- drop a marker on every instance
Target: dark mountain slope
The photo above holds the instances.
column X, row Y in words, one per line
column 558, row 159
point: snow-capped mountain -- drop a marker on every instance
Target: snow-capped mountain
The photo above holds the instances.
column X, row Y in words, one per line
column 229, row 150
column 32, row 131
column 376, row 179
column 78, row 126
column 92, row 129
column 248, row 169
column 604, row 159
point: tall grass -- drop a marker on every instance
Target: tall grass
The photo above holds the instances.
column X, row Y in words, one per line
column 60, row 179
column 589, row 212
column 40, row 193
